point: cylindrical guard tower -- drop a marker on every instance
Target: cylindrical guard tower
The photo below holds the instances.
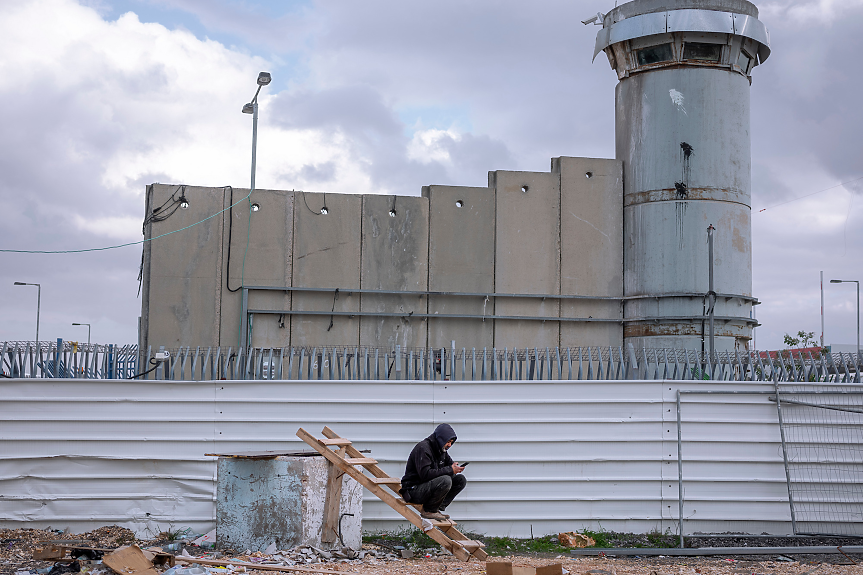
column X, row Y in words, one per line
column 682, row 131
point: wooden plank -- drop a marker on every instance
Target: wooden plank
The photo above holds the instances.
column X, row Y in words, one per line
column 382, row 480
column 360, row 461
column 449, row 528
column 457, row 535
column 448, row 544
column 258, row 566
column 336, row 441
column 332, row 503
column 49, row 553
column 354, row 452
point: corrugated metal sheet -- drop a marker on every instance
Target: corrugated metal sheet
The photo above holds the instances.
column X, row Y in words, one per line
column 551, row 455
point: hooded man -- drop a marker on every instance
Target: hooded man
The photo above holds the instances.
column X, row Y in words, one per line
column 432, row 478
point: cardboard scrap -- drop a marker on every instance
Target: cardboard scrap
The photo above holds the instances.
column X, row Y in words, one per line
column 129, row 561
column 507, row 568
column 571, row 539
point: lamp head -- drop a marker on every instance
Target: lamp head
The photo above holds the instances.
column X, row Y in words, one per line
column 264, row 78
column 249, row 108
column 836, row 281
column 184, row 203
column 20, row 284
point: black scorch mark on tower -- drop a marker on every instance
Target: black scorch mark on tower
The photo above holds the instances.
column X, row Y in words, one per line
column 682, row 188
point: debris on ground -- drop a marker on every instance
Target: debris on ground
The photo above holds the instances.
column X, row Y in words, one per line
column 383, row 557
column 571, row 539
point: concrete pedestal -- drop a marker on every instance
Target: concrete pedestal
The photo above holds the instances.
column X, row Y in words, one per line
column 281, row 499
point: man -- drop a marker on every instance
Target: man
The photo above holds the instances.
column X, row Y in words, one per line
column 432, row 478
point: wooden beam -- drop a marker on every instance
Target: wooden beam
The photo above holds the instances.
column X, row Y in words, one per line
column 259, row 566
column 360, row 461
column 333, row 500
column 336, row 441
column 354, row 452
column 446, row 529
column 448, row 544
column 383, row 480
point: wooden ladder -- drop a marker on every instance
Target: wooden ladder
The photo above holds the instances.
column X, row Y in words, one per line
column 349, row 460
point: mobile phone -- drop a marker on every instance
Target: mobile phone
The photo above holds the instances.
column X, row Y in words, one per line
column 465, row 464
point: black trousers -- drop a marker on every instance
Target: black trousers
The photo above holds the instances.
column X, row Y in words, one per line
column 437, row 494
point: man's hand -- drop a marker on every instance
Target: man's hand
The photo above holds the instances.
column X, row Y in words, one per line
column 456, row 469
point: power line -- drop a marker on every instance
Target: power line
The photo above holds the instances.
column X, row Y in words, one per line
column 126, row 244
column 812, row 194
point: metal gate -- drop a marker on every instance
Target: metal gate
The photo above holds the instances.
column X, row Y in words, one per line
column 822, row 443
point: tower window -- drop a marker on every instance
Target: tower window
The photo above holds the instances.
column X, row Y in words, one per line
column 702, row 52
column 655, row 54
column 743, row 61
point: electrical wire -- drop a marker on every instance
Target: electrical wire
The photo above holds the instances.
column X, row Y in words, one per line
column 152, row 362
column 310, row 209
column 230, row 234
column 812, row 194
column 126, row 244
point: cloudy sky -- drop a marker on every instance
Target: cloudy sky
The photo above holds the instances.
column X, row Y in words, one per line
column 99, row 98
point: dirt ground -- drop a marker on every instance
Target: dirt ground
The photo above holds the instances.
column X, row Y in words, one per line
column 16, row 549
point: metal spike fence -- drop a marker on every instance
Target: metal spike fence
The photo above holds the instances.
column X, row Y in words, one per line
column 95, row 361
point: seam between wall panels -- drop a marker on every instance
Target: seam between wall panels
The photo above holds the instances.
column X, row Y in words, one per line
column 294, row 216
column 146, row 255
column 220, row 270
column 493, row 187
column 360, row 264
column 559, row 255
column 428, row 266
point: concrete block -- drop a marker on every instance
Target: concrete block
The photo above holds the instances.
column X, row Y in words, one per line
column 394, row 257
column 181, row 292
column 326, row 255
column 268, row 263
column 461, row 259
column 281, row 500
column 591, row 248
column 527, row 256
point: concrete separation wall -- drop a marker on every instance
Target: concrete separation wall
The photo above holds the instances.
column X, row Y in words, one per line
column 552, row 455
column 527, row 233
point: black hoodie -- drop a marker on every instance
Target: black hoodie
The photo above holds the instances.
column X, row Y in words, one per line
column 428, row 458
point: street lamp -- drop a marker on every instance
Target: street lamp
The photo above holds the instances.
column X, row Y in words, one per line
column 252, row 108
column 858, row 309
column 38, row 306
column 88, row 330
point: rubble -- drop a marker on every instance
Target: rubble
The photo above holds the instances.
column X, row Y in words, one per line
column 577, row 540
column 385, row 558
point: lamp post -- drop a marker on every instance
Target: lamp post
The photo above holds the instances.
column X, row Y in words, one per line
column 38, row 306
column 858, row 309
column 252, row 108
column 88, row 330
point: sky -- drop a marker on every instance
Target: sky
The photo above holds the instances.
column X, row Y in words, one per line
column 99, row 98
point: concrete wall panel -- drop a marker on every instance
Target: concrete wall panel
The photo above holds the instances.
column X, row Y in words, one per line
column 326, row 255
column 268, row 263
column 527, row 255
column 461, row 259
column 394, row 257
column 181, row 304
column 591, row 247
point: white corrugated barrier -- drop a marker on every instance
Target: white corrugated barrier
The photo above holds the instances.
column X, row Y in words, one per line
column 546, row 456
